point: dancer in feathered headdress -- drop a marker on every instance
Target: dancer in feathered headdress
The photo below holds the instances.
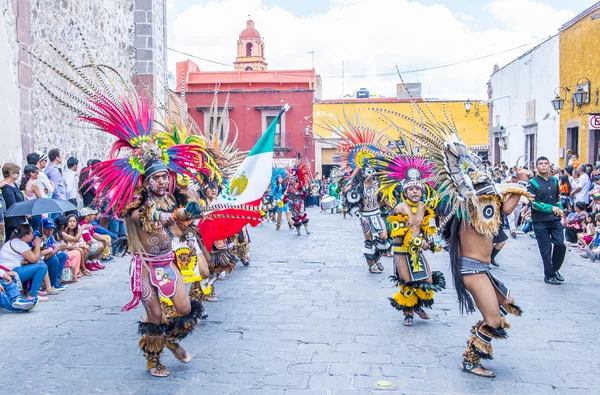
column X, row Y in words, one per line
column 138, row 181
column 409, row 178
column 474, row 209
column 358, row 145
column 295, row 195
column 279, row 185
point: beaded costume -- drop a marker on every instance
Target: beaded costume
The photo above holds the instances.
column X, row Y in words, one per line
column 415, row 281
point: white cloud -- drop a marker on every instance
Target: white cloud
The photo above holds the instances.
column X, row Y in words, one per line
column 370, row 37
column 531, row 17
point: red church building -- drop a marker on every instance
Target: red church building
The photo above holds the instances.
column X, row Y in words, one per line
column 255, row 97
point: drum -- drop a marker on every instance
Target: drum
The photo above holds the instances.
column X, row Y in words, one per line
column 328, row 202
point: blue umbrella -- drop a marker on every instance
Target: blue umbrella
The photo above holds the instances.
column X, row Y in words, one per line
column 40, row 206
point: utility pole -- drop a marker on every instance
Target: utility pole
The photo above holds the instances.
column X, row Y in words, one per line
column 312, row 53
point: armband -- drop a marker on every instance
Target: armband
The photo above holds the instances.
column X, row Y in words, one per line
column 522, row 184
column 189, row 236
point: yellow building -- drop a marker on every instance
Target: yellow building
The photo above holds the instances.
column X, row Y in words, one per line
column 472, row 125
column 580, row 71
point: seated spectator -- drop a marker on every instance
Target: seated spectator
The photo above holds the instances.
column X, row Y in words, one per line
column 106, row 235
column 10, row 296
column 74, row 254
column 72, row 234
column 589, row 231
column 97, row 243
column 574, row 223
column 53, row 256
column 18, row 256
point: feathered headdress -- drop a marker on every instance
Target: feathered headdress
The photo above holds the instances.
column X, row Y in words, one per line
column 459, row 175
column 401, row 172
column 357, row 142
column 278, row 172
column 102, row 97
column 299, row 173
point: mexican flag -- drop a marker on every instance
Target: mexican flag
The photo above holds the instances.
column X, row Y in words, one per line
column 238, row 203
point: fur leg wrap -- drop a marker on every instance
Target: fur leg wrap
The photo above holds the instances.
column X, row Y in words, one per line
column 196, row 292
column 405, row 299
column 416, row 294
column 479, row 346
column 168, row 310
column 179, row 327
column 510, row 308
column 152, row 342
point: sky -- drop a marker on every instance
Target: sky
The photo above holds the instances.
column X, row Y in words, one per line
column 359, row 43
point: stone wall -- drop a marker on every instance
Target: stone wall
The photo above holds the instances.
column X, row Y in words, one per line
column 112, row 36
column 10, row 149
column 107, row 26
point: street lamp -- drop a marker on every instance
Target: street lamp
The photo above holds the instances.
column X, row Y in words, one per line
column 581, row 95
column 468, row 106
column 558, row 102
column 306, row 136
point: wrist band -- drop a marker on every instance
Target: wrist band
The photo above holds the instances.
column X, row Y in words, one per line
column 189, row 236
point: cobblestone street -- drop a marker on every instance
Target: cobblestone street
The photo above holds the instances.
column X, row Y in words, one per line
column 307, row 318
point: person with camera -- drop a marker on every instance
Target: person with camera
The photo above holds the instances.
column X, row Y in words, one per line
column 17, row 255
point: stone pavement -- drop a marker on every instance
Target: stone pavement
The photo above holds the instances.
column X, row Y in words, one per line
column 307, row 318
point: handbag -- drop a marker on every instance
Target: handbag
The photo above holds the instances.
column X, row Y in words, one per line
column 67, row 275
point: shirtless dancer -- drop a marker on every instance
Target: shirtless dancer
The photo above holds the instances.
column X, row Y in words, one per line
column 470, row 256
column 413, row 227
column 155, row 272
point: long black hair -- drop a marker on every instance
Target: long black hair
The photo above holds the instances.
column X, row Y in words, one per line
column 62, row 224
column 564, row 179
column 451, row 235
column 27, row 175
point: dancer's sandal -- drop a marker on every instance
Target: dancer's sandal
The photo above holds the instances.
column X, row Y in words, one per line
column 159, row 370
column 180, row 353
column 374, row 269
column 380, row 266
column 408, row 320
column 468, row 367
column 422, row 314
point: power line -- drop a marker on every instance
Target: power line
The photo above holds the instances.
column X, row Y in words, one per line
column 198, row 57
column 347, row 74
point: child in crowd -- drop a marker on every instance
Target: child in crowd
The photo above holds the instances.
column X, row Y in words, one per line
column 589, row 231
column 564, row 191
column 592, row 251
column 574, row 223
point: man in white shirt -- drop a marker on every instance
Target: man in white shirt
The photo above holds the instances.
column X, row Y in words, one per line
column 582, row 188
column 71, row 177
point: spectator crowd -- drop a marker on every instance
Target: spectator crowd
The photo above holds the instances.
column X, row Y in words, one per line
column 41, row 254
